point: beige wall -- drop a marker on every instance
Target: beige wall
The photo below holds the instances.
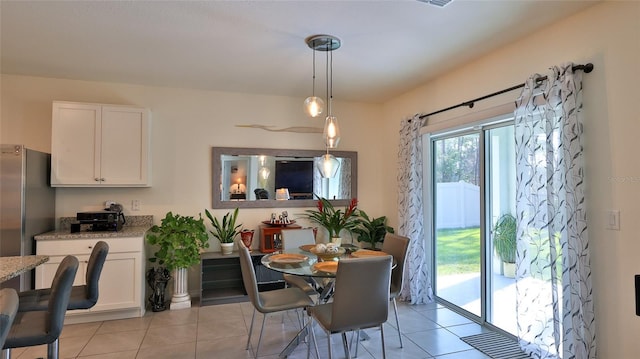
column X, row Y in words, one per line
column 608, row 35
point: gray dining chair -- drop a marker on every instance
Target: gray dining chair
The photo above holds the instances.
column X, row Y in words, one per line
column 272, row 301
column 360, row 300
column 292, row 239
column 8, row 310
column 44, row 327
column 397, row 247
column 82, row 296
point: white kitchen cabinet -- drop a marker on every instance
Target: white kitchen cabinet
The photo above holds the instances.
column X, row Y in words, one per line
column 121, row 284
column 96, row 145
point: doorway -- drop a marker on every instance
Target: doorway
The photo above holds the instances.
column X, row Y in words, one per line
column 474, row 190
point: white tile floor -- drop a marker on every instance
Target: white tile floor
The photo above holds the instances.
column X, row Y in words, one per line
column 220, row 331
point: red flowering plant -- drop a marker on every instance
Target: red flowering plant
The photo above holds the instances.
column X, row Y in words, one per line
column 334, row 220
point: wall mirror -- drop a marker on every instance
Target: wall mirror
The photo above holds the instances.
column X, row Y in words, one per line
column 265, row 178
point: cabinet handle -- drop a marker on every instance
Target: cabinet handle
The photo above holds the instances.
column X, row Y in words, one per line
column 90, row 247
column 101, row 179
column 96, row 179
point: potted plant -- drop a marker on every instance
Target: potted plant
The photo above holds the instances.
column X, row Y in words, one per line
column 371, row 230
column 226, row 231
column 180, row 240
column 334, row 220
column 504, row 242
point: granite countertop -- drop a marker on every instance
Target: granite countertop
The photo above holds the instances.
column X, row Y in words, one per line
column 136, row 226
column 12, row 266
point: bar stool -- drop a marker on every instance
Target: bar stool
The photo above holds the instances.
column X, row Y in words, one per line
column 8, row 310
column 44, row 327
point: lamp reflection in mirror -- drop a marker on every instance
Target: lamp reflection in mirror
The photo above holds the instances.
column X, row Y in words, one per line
column 328, row 166
column 331, row 132
column 282, row 194
column 264, row 173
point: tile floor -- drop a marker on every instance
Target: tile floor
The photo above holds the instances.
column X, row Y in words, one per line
column 220, row 331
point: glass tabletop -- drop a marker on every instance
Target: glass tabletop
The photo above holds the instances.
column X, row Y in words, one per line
column 296, row 262
column 304, row 263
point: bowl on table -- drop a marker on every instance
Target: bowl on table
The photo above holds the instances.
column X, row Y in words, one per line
column 331, row 256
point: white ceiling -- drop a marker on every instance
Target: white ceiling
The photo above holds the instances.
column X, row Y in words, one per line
column 388, row 47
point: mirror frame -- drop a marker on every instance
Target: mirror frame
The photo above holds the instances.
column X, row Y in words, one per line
column 272, row 203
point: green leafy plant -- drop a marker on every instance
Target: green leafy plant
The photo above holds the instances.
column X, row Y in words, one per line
column 180, row 240
column 371, row 230
column 334, row 220
column 504, row 238
column 227, row 230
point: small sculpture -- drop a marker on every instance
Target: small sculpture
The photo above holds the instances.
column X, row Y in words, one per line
column 157, row 278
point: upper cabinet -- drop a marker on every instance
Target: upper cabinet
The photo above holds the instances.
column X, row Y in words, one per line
column 95, row 145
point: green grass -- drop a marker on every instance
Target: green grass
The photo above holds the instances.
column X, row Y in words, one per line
column 458, row 251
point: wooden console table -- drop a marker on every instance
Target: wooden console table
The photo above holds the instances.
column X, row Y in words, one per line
column 270, row 240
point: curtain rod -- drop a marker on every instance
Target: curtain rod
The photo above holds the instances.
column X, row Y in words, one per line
column 586, row 68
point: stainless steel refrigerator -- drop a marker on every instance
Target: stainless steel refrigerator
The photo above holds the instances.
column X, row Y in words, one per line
column 27, row 204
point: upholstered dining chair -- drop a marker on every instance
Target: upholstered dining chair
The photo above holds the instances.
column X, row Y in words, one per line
column 44, row 327
column 82, row 296
column 267, row 302
column 360, row 300
column 8, row 310
column 292, row 239
column 396, row 246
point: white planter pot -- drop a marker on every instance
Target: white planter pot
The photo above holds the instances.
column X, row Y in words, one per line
column 181, row 298
column 336, row 240
column 227, row 248
column 509, row 269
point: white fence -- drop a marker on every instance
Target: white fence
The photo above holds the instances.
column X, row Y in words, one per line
column 457, row 205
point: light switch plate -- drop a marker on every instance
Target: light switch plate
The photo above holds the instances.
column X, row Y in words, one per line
column 613, row 220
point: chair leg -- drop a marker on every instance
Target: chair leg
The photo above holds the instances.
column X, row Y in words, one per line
column 312, row 334
column 6, row 354
column 264, row 316
column 53, row 350
column 329, row 341
column 357, row 342
column 345, row 345
column 251, row 328
column 395, row 310
column 384, row 352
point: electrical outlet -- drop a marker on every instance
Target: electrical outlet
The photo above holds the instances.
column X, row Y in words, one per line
column 135, row 205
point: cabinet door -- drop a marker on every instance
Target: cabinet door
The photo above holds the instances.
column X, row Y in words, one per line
column 120, row 282
column 125, row 146
column 75, row 138
column 47, row 271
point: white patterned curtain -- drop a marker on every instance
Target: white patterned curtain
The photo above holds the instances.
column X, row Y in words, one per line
column 553, row 277
column 345, row 178
column 417, row 279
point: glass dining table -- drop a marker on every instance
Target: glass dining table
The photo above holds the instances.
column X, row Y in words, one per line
column 322, row 272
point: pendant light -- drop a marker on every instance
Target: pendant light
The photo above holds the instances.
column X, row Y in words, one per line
column 313, row 105
column 328, row 165
column 331, row 131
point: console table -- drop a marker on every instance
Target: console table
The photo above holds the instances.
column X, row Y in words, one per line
column 221, row 278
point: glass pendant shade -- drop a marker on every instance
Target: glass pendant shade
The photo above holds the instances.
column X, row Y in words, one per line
column 331, row 132
column 313, row 106
column 328, row 166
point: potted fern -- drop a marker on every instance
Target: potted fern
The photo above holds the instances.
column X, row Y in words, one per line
column 504, row 242
column 371, row 230
column 179, row 239
column 225, row 230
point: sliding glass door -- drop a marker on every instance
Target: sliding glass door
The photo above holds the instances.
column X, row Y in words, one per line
column 474, row 199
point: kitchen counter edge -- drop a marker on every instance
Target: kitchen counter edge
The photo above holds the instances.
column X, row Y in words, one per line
column 125, row 232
